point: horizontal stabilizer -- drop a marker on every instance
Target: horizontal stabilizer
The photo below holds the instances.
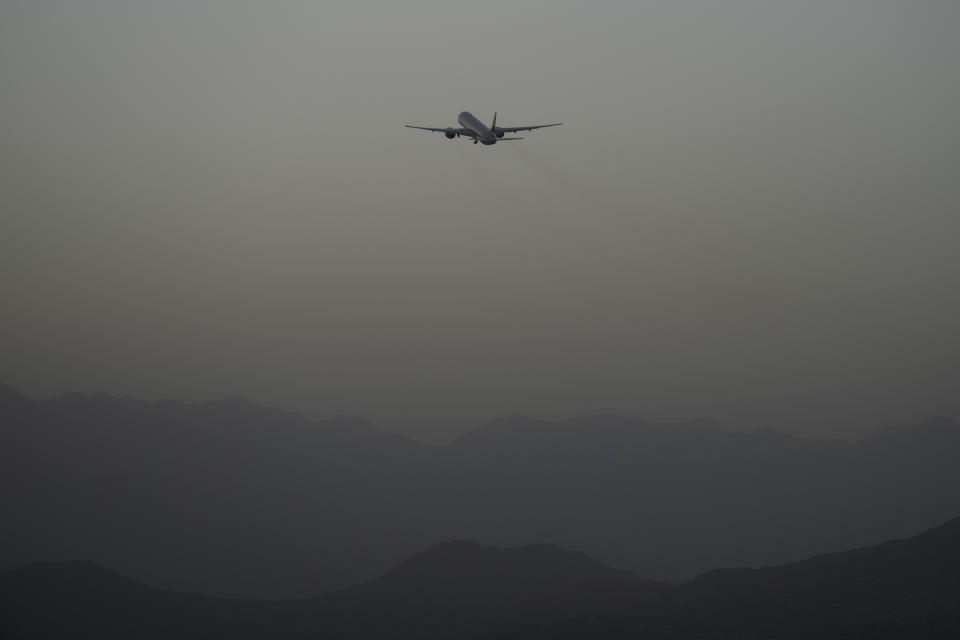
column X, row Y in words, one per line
column 502, row 139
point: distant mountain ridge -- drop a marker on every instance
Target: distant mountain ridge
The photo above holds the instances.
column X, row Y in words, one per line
column 906, row 588
column 230, row 498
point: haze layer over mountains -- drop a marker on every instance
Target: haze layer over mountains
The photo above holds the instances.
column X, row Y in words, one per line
column 232, row 499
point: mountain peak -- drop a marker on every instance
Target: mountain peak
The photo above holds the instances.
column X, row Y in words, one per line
column 465, row 549
column 9, row 397
column 464, row 560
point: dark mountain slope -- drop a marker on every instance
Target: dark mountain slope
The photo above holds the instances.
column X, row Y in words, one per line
column 668, row 501
column 221, row 497
column 84, row 600
column 461, row 589
column 905, row 588
column 912, row 578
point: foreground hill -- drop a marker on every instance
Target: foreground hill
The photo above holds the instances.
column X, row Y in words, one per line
column 902, row 589
column 233, row 499
column 85, row 600
column 913, row 579
column 457, row 589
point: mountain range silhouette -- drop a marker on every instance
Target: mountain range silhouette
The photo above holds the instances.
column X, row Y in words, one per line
column 229, row 498
column 901, row 589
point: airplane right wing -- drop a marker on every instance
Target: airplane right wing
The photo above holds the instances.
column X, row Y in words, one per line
column 536, row 126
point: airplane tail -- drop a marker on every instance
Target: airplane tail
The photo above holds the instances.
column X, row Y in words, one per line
column 493, row 126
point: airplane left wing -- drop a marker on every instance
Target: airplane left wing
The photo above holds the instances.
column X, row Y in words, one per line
column 459, row 132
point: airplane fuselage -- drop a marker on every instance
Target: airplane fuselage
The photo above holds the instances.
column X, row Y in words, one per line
column 481, row 131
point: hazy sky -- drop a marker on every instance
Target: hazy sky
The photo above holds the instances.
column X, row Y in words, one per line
column 751, row 212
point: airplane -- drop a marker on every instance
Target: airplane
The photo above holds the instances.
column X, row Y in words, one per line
column 473, row 128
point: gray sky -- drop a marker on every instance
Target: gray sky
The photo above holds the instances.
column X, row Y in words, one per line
column 751, row 212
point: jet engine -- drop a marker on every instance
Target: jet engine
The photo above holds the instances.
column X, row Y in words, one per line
column 498, row 132
column 450, row 133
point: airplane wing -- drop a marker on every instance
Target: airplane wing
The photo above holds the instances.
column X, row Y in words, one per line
column 459, row 132
column 538, row 126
